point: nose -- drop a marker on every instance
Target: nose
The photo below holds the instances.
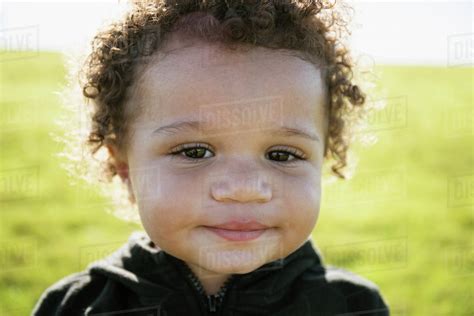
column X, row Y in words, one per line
column 242, row 187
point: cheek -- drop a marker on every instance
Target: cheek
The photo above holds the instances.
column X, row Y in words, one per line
column 167, row 202
column 302, row 202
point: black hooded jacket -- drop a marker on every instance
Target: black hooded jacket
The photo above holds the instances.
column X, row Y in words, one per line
column 140, row 280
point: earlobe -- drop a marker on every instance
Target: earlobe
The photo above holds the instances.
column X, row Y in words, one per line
column 131, row 196
column 122, row 169
column 120, row 164
column 123, row 172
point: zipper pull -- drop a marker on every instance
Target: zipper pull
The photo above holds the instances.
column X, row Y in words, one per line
column 212, row 300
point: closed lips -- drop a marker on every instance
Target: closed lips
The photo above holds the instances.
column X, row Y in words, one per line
column 238, row 231
column 241, row 226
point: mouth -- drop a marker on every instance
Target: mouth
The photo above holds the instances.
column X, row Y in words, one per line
column 238, row 231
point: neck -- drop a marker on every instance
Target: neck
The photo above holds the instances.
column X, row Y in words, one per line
column 211, row 282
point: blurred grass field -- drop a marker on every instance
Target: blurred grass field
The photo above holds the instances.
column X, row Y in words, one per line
column 405, row 220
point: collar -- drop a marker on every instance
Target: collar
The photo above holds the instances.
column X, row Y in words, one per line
column 152, row 273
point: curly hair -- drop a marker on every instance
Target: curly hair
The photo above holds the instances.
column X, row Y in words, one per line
column 313, row 28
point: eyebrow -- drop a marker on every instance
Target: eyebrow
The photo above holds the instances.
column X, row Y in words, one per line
column 193, row 126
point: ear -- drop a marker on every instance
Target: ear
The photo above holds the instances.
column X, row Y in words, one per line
column 120, row 162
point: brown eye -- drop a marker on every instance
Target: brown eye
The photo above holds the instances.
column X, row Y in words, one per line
column 192, row 151
column 285, row 155
column 279, row 155
column 201, row 151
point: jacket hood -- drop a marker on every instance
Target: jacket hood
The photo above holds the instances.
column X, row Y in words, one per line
column 154, row 274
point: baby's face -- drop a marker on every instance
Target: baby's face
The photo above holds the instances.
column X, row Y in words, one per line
column 238, row 163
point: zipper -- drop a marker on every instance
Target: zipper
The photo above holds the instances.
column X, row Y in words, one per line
column 212, row 302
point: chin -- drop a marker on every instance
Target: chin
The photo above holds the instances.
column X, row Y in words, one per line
column 234, row 263
column 242, row 269
column 234, row 269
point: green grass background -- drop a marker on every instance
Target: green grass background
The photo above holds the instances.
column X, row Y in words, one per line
column 405, row 221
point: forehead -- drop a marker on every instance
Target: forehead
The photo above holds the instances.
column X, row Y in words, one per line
column 197, row 80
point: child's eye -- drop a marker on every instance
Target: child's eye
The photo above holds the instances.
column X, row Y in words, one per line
column 282, row 154
column 192, row 151
column 198, row 151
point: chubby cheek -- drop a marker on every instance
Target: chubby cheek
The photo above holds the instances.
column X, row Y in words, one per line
column 302, row 196
column 167, row 203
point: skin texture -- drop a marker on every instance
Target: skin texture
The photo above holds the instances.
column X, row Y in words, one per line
column 243, row 96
